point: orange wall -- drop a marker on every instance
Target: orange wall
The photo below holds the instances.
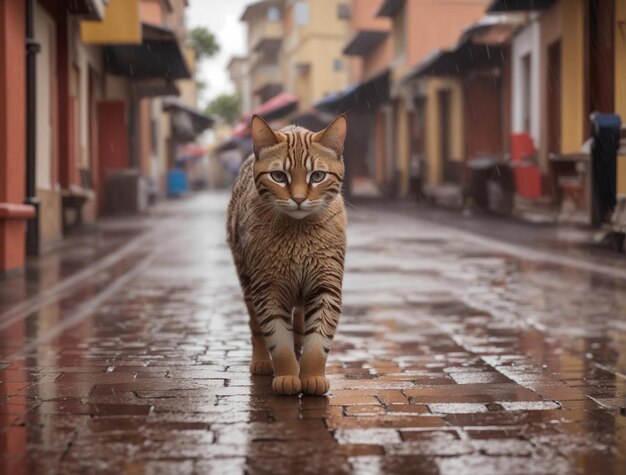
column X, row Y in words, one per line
column 436, row 24
column 363, row 16
column 12, row 101
column 12, row 130
column 379, row 59
column 150, row 11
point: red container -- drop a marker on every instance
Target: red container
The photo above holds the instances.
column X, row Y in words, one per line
column 527, row 175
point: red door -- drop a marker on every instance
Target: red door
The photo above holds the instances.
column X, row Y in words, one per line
column 112, row 142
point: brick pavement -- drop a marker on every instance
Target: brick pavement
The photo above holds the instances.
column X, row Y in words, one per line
column 450, row 358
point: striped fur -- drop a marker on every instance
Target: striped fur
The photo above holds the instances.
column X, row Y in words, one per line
column 290, row 258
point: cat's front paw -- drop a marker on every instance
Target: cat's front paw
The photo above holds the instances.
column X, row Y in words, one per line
column 286, row 385
column 261, row 367
column 315, row 385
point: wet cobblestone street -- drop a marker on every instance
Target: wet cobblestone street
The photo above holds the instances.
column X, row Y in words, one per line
column 451, row 357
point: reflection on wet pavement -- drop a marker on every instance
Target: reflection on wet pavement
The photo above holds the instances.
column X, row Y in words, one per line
column 450, row 358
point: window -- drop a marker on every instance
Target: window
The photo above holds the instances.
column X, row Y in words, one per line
column 338, row 65
column 273, row 14
column 343, row 11
column 301, row 13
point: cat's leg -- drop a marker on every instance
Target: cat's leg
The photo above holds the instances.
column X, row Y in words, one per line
column 261, row 362
column 321, row 316
column 298, row 330
column 275, row 322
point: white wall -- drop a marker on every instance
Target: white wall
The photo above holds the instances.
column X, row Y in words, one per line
column 528, row 41
column 84, row 57
column 45, row 34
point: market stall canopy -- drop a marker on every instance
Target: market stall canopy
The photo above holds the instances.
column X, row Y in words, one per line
column 482, row 45
column 390, row 8
column 156, row 87
column 187, row 122
column 159, row 55
column 275, row 108
column 364, row 42
column 367, row 94
column 244, row 144
column 88, row 9
column 242, row 129
column 518, row 5
column 494, row 30
column 468, row 56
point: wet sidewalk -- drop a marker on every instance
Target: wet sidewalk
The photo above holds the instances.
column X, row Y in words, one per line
column 452, row 357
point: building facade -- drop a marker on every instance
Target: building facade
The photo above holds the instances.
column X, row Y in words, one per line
column 94, row 135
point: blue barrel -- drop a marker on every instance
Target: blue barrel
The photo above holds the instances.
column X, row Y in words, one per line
column 177, row 183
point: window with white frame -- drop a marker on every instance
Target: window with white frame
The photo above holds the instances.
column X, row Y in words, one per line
column 301, row 13
column 273, row 13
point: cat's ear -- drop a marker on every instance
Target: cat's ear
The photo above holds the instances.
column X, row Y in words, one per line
column 262, row 135
column 333, row 136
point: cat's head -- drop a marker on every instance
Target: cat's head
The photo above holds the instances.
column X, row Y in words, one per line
column 297, row 171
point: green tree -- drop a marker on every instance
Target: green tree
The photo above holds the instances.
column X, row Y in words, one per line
column 226, row 107
column 201, row 86
column 203, row 42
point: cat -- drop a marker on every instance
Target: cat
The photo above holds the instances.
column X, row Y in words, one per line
column 286, row 230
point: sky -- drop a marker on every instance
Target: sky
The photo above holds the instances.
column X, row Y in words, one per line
column 220, row 17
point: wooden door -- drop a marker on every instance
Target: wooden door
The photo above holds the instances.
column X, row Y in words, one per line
column 444, row 135
column 601, row 56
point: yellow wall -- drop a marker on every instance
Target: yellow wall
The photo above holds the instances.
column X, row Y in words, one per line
column 121, row 25
column 621, row 175
column 457, row 134
column 318, row 43
column 573, row 77
column 189, row 87
column 402, row 152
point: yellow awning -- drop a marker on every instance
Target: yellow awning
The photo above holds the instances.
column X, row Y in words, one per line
column 121, row 25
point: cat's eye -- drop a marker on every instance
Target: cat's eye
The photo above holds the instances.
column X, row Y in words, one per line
column 317, row 176
column 278, row 176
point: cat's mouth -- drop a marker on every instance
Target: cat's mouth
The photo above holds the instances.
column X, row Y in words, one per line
column 298, row 213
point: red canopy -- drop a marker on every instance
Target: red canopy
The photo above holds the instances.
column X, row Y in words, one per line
column 242, row 129
column 271, row 107
column 284, row 99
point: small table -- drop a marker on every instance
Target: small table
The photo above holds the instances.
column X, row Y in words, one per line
column 571, row 174
column 75, row 198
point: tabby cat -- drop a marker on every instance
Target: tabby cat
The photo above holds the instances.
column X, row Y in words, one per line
column 286, row 230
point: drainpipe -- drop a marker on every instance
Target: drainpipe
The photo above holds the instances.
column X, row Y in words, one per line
column 32, row 48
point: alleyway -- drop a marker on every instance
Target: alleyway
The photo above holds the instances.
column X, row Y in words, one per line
column 450, row 358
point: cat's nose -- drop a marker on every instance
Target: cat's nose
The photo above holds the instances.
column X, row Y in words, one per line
column 299, row 200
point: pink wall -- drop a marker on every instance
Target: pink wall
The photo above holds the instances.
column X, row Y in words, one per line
column 379, row 59
column 363, row 16
column 150, row 11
